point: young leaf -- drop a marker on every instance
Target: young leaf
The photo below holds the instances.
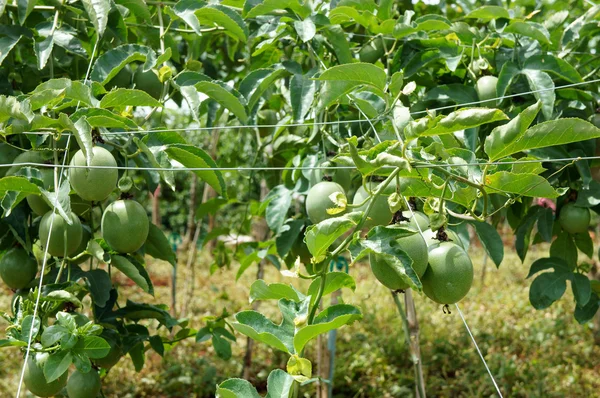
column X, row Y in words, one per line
column 491, row 241
column 57, row 364
column 334, row 282
column 320, row 236
column 259, row 290
column 236, row 388
column 280, row 384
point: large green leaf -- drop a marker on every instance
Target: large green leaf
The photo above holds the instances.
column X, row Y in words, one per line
column 357, row 73
column 194, row 157
column 157, row 245
column 280, row 384
column 226, row 97
column 302, row 93
column 11, row 107
column 7, row 43
column 225, row 17
column 331, row 318
column 82, row 132
column 320, row 236
column 337, row 37
column 138, row 8
column 186, row 9
column 258, row 81
column 130, row 270
column 543, row 89
column 97, row 117
column 547, row 288
column 552, row 64
column 529, row 29
column 57, row 364
column 13, row 190
column 24, row 8
column 459, row 120
column 111, row 62
column 253, row 9
column 236, row 388
column 489, row 12
column 52, row 92
column 513, row 139
column 334, row 281
column 491, row 241
column 259, row 290
column 97, row 11
column 525, row 184
column 280, row 199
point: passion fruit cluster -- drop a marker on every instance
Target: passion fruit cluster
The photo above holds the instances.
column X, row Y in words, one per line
column 439, row 258
column 79, row 385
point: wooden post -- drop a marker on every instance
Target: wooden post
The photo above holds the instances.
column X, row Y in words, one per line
column 414, row 347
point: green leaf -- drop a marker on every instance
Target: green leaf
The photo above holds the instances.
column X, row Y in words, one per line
column 586, row 313
column 550, row 133
column 280, row 384
column 123, row 97
column 545, row 223
column 260, row 290
column 83, row 134
column 136, row 311
column 547, row 288
column 10, row 107
column 455, row 121
column 222, row 347
column 186, row 9
column 236, row 388
column 254, row 85
column 491, row 241
column 331, row 318
column 306, row 29
column 218, row 15
column 525, row 184
column 489, row 12
column 542, row 264
column 552, row 64
column 52, row 335
column 543, row 87
column 97, row 11
column 30, row 327
column 57, row 364
column 109, row 64
column 334, row 282
column 584, row 243
column 24, row 8
column 130, row 270
column 256, row 326
column 510, row 132
column 7, row 43
column 582, row 289
column 358, row 73
column 253, row 9
column 280, row 199
column 564, row 247
column 194, row 157
column 99, row 284
column 95, row 347
column 320, row 236
column 43, row 50
column 529, row 29
column 224, row 97
column 287, row 236
column 338, row 40
column 138, row 8
column 158, row 246
column 523, row 231
column 97, row 117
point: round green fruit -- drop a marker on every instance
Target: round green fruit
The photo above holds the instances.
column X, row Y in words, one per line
column 17, row 268
column 148, row 82
column 36, row 383
column 60, row 231
column 121, row 79
column 81, row 207
column 266, row 118
column 343, row 177
column 85, row 238
column 37, row 203
column 574, row 219
column 380, row 213
column 125, row 226
column 94, row 184
column 371, row 52
column 449, row 276
column 431, row 237
column 317, row 200
column 7, row 154
column 84, row 385
column 417, row 220
column 415, row 247
column 112, row 358
column 26, row 157
column 486, row 90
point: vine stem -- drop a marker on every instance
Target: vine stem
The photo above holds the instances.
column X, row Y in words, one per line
column 346, row 241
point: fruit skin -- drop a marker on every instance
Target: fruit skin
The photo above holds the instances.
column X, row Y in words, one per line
column 17, row 268
column 56, row 245
column 416, row 248
column 125, row 225
column 94, row 184
column 317, row 201
column 419, row 219
column 84, row 385
column 486, row 90
column 449, row 276
column 343, row 177
column 85, row 238
column 574, row 219
column 266, row 117
column 37, row 203
column 36, row 382
column 380, row 213
column 7, row 154
column 371, row 52
column 148, row 82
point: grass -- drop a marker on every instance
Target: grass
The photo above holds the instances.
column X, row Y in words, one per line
column 531, row 353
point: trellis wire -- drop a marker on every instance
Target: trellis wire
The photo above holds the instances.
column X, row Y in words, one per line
column 418, row 166
column 189, row 129
column 478, row 350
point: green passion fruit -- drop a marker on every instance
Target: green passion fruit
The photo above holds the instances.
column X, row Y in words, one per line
column 94, row 184
column 371, row 52
column 7, row 154
column 416, row 248
column 37, row 203
column 266, row 118
column 449, row 276
column 17, row 268
column 125, row 226
column 380, row 213
column 36, row 383
column 84, row 385
column 431, row 237
column 317, row 200
column 85, row 238
column 486, row 90
column 60, row 238
column 417, row 220
column 148, row 82
column 574, row 219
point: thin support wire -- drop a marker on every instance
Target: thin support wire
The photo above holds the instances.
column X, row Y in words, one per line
column 375, row 120
column 478, row 350
column 308, row 168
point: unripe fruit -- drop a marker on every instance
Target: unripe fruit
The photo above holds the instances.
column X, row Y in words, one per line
column 449, row 276
column 574, row 219
column 267, row 117
column 486, row 90
column 94, row 184
column 415, row 247
column 419, row 219
column 7, row 154
column 148, row 82
column 36, row 383
column 125, row 226
column 343, row 177
column 17, row 268
column 380, row 213
column 84, row 385
column 372, row 51
column 317, row 201
column 85, row 238
column 37, row 203
column 60, row 231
